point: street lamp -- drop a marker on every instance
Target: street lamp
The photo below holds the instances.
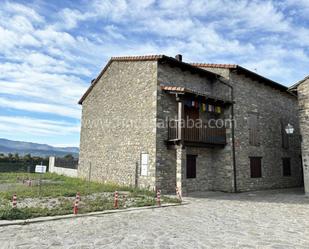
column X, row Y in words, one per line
column 289, row 129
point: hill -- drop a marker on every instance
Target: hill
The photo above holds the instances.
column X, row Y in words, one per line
column 35, row 149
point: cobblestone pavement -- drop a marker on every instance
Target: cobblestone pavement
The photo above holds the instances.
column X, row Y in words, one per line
column 266, row 219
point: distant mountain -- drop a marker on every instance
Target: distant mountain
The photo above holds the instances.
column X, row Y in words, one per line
column 35, row 149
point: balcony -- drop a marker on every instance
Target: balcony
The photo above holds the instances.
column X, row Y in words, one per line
column 201, row 137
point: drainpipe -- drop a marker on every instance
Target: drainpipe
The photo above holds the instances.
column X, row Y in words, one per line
column 233, row 132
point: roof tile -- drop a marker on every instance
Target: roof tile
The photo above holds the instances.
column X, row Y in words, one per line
column 137, row 58
column 213, row 65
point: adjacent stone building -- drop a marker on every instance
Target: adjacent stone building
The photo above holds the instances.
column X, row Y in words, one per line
column 302, row 90
column 158, row 122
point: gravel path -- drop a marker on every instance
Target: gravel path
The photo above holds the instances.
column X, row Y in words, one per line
column 266, row 219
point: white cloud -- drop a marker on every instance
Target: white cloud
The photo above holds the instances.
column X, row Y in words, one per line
column 59, row 110
column 41, row 82
column 22, row 9
column 8, row 39
column 36, row 127
column 112, row 32
column 48, row 54
column 28, row 40
column 169, row 27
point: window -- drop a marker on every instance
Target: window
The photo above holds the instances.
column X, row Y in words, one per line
column 253, row 129
column 256, row 167
column 284, row 136
column 191, row 166
column 286, row 164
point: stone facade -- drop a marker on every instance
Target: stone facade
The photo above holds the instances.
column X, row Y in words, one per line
column 119, row 123
column 130, row 92
column 214, row 165
column 272, row 106
column 303, row 99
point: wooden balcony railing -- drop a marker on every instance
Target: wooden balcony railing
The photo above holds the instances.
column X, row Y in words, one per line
column 201, row 135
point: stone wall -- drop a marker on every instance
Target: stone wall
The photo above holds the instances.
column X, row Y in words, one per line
column 126, row 112
column 59, row 170
column 214, row 165
column 303, row 98
column 119, row 123
column 271, row 106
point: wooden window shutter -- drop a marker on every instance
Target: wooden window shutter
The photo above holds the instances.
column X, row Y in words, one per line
column 191, row 166
column 256, row 167
column 253, row 129
column 286, row 164
column 284, row 136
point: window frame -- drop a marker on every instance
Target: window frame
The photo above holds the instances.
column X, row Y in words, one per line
column 192, row 172
column 284, row 160
column 285, row 141
column 252, row 165
column 253, row 129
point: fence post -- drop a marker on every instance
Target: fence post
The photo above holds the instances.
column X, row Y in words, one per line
column 78, row 196
column 14, row 201
column 124, row 201
column 51, row 164
column 89, row 177
column 136, row 175
column 116, row 199
column 75, row 208
column 159, row 198
column 40, row 182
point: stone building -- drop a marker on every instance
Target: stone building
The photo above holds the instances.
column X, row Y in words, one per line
column 302, row 90
column 158, row 122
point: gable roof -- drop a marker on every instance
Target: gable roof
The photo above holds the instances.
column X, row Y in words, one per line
column 160, row 58
column 293, row 88
column 244, row 71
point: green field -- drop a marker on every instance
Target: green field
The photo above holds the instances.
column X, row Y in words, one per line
column 56, row 195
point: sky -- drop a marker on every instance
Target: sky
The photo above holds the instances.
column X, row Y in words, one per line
column 51, row 50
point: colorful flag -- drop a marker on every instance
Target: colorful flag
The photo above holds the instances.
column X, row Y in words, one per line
column 196, row 104
column 218, row 109
column 203, row 107
column 210, row 108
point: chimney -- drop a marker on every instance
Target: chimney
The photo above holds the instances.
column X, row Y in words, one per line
column 178, row 57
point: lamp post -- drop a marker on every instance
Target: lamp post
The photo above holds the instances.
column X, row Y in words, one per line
column 289, row 129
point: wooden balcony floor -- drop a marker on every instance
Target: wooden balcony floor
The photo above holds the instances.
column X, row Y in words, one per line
column 198, row 136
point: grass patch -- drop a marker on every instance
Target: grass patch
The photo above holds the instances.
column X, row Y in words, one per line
column 54, row 185
column 62, row 189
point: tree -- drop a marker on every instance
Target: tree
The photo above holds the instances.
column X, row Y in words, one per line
column 10, row 156
column 69, row 157
column 27, row 157
column 16, row 156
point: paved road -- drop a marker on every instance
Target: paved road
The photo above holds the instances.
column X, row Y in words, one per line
column 268, row 219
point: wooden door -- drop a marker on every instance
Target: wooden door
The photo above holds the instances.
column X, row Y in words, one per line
column 191, row 113
column 191, row 132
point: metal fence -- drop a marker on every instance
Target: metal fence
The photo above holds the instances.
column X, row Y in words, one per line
column 20, row 165
column 69, row 163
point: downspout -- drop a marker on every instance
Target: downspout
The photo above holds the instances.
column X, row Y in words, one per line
column 233, row 132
